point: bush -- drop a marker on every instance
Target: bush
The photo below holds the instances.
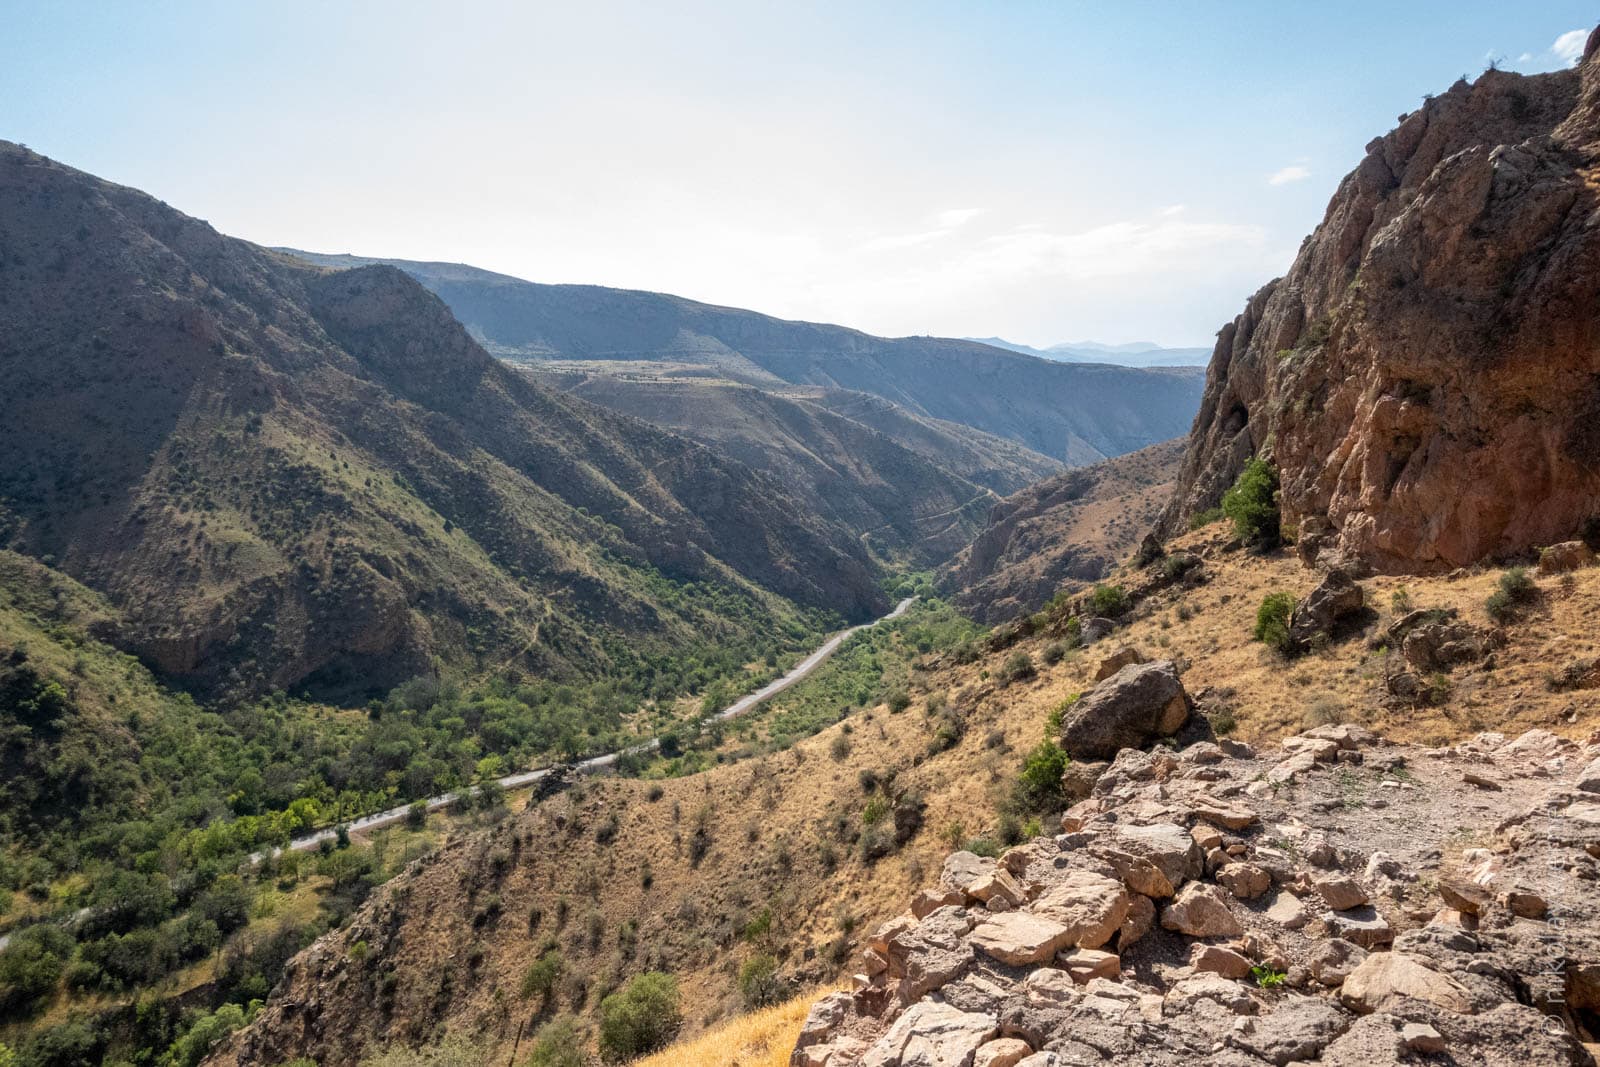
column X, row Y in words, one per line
column 898, row 701
column 1018, row 666
column 1038, row 789
column 1272, row 620
column 982, row 846
column 1516, row 589
column 641, row 1018
column 1252, row 504
column 839, row 747
column 558, row 1044
column 1109, row 600
column 876, row 842
column 31, row 966
column 417, row 815
column 1054, row 653
column 1205, row 518
column 543, row 974
column 759, row 984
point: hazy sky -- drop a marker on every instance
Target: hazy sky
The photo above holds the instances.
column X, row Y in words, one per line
column 1042, row 171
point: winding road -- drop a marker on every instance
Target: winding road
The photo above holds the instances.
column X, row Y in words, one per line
column 594, row 765
column 597, row 764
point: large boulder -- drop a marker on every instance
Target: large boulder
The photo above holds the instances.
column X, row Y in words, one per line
column 1130, row 709
column 1336, row 599
column 930, row 1034
column 1090, row 906
column 1386, row 979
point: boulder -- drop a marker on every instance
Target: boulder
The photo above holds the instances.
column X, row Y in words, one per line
column 1331, row 961
column 929, row 901
column 929, row 1034
column 1020, row 938
column 1567, row 556
column 931, row 953
column 1092, row 628
column 1294, row 1032
column 1363, row 926
column 1079, row 778
column 1384, row 979
column 1154, row 860
column 1131, row 709
column 1090, row 906
column 1444, row 643
column 1340, row 891
column 1126, row 656
column 1141, row 917
column 1201, row 910
column 1205, row 985
column 1337, row 598
column 1245, row 881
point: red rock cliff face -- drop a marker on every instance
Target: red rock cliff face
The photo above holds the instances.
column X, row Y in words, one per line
column 1427, row 376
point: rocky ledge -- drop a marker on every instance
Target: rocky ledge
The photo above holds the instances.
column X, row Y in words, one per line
column 1338, row 900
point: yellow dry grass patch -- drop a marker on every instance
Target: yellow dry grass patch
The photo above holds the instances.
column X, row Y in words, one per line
column 763, row 1038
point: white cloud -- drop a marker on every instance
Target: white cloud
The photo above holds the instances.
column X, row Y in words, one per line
column 1292, row 173
column 958, row 216
column 890, row 242
column 1174, row 210
column 1569, row 46
column 1526, row 57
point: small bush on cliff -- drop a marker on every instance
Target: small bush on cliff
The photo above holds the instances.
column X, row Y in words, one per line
column 641, row 1018
column 1109, row 600
column 1018, row 666
column 559, row 1044
column 1252, row 504
column 1038, row 790
column 759, row 984
column 1516, row 589
column 1272, row 620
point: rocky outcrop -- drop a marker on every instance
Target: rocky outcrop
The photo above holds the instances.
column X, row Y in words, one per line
column 1135, row 706
column 1336, row 600
column 1426, row 378
column 1347, row 954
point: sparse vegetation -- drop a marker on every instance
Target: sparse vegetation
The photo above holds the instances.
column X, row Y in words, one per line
column 1516, row 589
column 1109, row 600
column 641, row 1018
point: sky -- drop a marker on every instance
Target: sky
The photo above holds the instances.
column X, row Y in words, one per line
column 1043, row 172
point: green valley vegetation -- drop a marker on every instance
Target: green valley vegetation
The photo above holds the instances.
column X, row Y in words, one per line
column 128, row 811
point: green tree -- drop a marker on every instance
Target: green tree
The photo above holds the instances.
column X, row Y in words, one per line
column 759, row 984
column 1039, row 784
column 1252, row 504
column 641, row 1018
column 1272, row 620
column 543, row 974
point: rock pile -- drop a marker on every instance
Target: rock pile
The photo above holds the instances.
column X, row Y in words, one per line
column 1338, row 900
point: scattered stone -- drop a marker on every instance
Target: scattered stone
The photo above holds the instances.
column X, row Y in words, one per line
column 1245, row 881
column 1420, row 1037
column 1332, row 960
column 1201, row 910
column 1340, row 892
column 1141, row 917
column 996, row 883
column 1020, row 938
column 1465, row 896
column 1386, row 978
column 1229, row 816
column 1219, row 960
column 1086, row 964
column 1130, row 709
column 930, row 1034
column 1207, row 986
column 1153, row 860
column 1525, row 904
column 1089, row 906
column 1287, row 911
column 1092, row 628
column 1363, row 926
column 929, row 901
column 1006, row 1052
column 1293, row 1032
column 1481, row 781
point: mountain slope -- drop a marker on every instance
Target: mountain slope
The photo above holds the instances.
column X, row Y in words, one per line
column 1133, row 354
column 1061, row 534
column 289, row 477
column 1074, row 413
column 905, row 505
column 1427, row 376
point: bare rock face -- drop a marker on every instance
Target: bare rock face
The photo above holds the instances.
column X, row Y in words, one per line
column 1426, row 378
column 1130, row 709
column 1336, row 598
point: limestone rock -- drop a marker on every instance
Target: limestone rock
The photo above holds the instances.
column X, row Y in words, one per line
column 1340, row 892
column 1385, row 978
column 1006, row 1052
column 1087, row 964
column 1201, row 910
column 1153, row 860
column 1131, row 709
column 1020, row 938
column 1335, row 599
column 1090, row 906
column 1141, row 917
column 1566, row 556
column 1126, row 656
column 930, row 1034
column 1219, row 960
column 1245, row 881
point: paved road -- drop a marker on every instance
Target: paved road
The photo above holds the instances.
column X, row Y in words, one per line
column 593, row 765
column 597, row 764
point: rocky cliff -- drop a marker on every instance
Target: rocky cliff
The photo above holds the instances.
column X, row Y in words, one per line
column 1427, row 376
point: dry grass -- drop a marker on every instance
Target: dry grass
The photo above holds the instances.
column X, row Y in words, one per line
column 761, row 1039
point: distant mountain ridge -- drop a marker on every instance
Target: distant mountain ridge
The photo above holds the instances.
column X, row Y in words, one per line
column 1130, row 354
column 1073, row 413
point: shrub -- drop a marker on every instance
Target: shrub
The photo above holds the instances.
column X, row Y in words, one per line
column 1205, row 518
column 898, row 701
column 654, row 793
column 31, row 966
column 558, row 1044
column 1178, row 564
column 1038, row 789
column 1109, row 600
column 1272, row 620
column 1054, row 653
column 641, row 1018
column 1018, row 666
column 982, row 846
column 876, row 842
column 876, row 811
column 839, row 747
column 543, row 974
column 1325, row 710
column 1516, row 589
column 759, row 984
column 417, row 815
column 1252, row 504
